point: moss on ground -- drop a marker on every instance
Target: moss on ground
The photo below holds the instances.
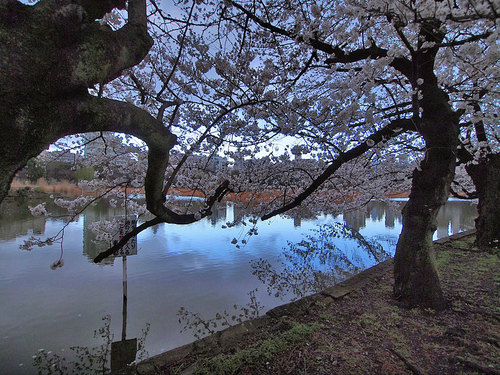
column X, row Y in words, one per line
column 259, row 355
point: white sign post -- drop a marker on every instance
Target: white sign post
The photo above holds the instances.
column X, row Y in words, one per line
column 124, row 351
column 125, row 225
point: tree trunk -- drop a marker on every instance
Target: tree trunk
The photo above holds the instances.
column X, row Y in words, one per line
column 415, row 274
column 488, row 188
column 416, row 279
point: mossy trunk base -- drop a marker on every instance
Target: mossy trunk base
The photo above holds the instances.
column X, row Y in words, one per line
column 415, row 274
column 488, row 220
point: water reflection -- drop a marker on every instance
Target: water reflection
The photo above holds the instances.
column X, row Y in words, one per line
column 102, row 358
column 31, row 226
column 124, row 351
column 16, row 220
column 456, row 216
column 109, row 355
column 91, row 247
column 15, row 212
column 330, row 254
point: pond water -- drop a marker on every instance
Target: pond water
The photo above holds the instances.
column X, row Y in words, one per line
column 194, row 266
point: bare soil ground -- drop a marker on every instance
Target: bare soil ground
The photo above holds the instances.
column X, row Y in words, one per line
column 367, row 332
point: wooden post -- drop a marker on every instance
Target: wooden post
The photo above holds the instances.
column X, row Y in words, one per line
column 124, row 310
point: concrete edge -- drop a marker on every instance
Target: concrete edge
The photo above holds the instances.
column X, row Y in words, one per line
column 455, row 236
column 230, row 336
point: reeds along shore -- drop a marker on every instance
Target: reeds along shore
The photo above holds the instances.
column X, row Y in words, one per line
column 68, row 188
column 63, row 187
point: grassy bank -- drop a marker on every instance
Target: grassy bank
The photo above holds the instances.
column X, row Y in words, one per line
column 358, row 328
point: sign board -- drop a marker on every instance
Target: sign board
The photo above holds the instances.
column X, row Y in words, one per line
column 125, row 225
column 123, row 353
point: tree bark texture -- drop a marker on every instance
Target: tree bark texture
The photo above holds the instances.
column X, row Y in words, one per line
column 416, row 279
column 51, row 54
column 486, row 178
column 485, row 174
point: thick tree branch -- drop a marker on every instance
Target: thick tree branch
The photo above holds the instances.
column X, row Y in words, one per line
column 463, row 155
column 137, row 13
column 113, row 249
column 94, row 9
column 387, row 132
column 51, row 54
column 83, row 115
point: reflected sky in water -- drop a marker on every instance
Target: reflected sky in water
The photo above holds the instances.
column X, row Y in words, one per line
column 194, row 266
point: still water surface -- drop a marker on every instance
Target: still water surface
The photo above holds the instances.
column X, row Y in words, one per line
column 193, row 266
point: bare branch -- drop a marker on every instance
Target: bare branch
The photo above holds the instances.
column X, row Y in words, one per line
column 473, row 38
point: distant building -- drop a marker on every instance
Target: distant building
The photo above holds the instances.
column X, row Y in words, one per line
column 217, row 163
column 214, row 163
column 62, row 156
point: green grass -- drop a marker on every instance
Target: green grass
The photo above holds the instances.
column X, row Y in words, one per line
column 443, row 258
column 259, row 355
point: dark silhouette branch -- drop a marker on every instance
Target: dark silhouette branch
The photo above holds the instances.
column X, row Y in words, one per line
column 387, row 132
column 126, row 238
column 339, row 55
column 169, row 217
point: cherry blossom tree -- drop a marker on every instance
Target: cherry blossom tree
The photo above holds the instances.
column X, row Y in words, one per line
column 414, row 62
column 479, row 158
column 180, row 113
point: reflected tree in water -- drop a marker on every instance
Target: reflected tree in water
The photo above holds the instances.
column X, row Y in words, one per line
column 327, row 256
column 201, row 327
column 87, row 360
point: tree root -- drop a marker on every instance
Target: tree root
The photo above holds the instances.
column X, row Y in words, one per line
column 478, row 367
column 413, row 368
